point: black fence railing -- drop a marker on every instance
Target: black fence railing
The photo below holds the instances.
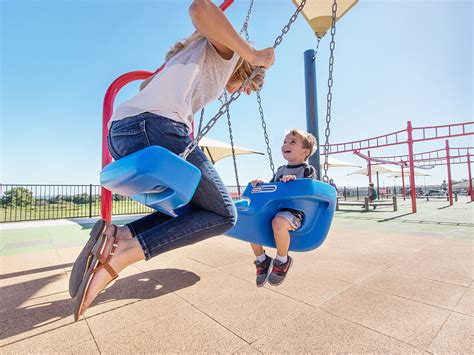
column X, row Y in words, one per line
column 41, row 202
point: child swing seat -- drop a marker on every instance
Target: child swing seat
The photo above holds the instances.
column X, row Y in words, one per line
column 153, row 176
column 260, row 204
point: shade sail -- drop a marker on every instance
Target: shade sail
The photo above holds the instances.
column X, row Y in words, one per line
column 336, row 163
column 216, row 150
column 406, row 172
column 381, row 169
column 318, row 13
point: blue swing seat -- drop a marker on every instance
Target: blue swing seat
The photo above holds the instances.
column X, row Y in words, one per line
column 155, row 177
column 317, row 200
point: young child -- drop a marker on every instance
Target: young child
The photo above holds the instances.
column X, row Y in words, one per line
column 297, row 147
column 372, row 194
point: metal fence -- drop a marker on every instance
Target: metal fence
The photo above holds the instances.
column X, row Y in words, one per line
column 41, row 202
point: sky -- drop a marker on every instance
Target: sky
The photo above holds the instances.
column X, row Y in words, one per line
column 394, row 61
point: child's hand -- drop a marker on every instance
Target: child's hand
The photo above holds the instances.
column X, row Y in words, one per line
column 286, row 178
column 256, row 182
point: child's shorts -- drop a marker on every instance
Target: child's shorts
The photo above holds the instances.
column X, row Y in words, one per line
column 294, row 218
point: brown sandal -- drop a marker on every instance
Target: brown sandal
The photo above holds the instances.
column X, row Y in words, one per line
column 98, row 262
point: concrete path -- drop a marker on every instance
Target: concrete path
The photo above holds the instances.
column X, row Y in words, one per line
column 383, row 282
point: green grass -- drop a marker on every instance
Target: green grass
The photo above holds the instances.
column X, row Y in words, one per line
column 68, row 210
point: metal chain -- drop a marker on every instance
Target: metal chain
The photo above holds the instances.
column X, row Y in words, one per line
column 232, row 145
column 200, row 121
column 246, row 22
column 327, row 132
column 235, row 95
column 259, row 100
column 265, row 134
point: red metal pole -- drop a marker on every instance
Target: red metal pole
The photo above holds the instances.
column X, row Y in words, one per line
column 412, row 166
column 469, row 176
column 448, row 164
column 114, row 88
column 369, row 168
column 403, row 185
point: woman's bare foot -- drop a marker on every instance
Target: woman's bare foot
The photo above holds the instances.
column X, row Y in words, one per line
column 127, row 253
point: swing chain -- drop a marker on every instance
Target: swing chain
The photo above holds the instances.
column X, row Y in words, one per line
column 288, row 25
column 327, row 132
column 236, row 94
column 200, row 121
column 232, row 145
column 246, row 22
column 264, row 126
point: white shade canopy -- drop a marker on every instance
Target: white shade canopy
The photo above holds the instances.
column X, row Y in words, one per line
column 381, row 169
column 406, row 172
column 336, row 163
column 216, row 150
column 318, row 13
column 394, row 170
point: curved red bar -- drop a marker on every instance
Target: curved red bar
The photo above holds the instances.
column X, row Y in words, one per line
column 108, row 107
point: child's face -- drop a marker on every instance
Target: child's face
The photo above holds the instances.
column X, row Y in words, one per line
column 293, row 150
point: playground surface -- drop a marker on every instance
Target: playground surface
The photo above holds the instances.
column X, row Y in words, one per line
column 383, row 281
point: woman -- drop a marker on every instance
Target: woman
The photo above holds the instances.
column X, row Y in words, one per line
column 196, row 73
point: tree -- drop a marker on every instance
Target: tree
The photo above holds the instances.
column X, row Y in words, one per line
column 18, row 197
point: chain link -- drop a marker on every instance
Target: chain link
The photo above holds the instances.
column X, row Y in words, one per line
column 264, row 126
column 246, row 22
column 235, row 95
column 232, row 145
column 327, row 131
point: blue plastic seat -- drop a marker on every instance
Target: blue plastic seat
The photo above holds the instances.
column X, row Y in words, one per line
column 155, row 177
column 317, row 200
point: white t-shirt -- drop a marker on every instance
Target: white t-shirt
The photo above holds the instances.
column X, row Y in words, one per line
column 190, row 80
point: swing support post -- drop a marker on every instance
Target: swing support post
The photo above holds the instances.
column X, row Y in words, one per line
column 312, row 105
column 412, row 166
column 469, row 176
column 448, row 166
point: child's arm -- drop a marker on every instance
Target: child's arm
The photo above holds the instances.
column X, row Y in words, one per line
column 310, row 172
column 256, row 182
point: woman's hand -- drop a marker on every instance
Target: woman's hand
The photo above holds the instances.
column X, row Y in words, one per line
column 256, row 182
column 286, row 178
column 263, row 58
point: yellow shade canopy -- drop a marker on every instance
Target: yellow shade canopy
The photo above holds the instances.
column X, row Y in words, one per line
column 318, row 13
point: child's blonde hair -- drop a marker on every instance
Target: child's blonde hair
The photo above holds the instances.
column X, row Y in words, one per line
column 242, row 69
column 309, row 141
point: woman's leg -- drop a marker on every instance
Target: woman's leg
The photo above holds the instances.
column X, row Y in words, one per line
column 213, row 211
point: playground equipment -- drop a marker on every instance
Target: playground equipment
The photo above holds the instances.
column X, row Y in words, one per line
column 409, row 136
column 445, row 156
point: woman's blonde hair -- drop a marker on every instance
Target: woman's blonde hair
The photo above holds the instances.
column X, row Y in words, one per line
column 242, row 69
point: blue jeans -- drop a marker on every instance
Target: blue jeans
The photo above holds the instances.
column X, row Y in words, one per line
column 212, row 211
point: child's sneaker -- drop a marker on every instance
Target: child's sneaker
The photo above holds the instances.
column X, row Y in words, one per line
column 263, row 270
column 279, row 271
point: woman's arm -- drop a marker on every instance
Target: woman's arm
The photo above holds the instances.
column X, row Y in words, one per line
column 211, row 22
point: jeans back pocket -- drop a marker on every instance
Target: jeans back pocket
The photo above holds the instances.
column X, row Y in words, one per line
column 127, row 136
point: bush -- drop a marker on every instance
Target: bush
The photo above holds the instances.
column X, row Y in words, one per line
column 18, row 197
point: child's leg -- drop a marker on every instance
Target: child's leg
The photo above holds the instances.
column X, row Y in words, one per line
column 257, row 249
column 282, row 223
column 263, row 264
column 281, row 231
